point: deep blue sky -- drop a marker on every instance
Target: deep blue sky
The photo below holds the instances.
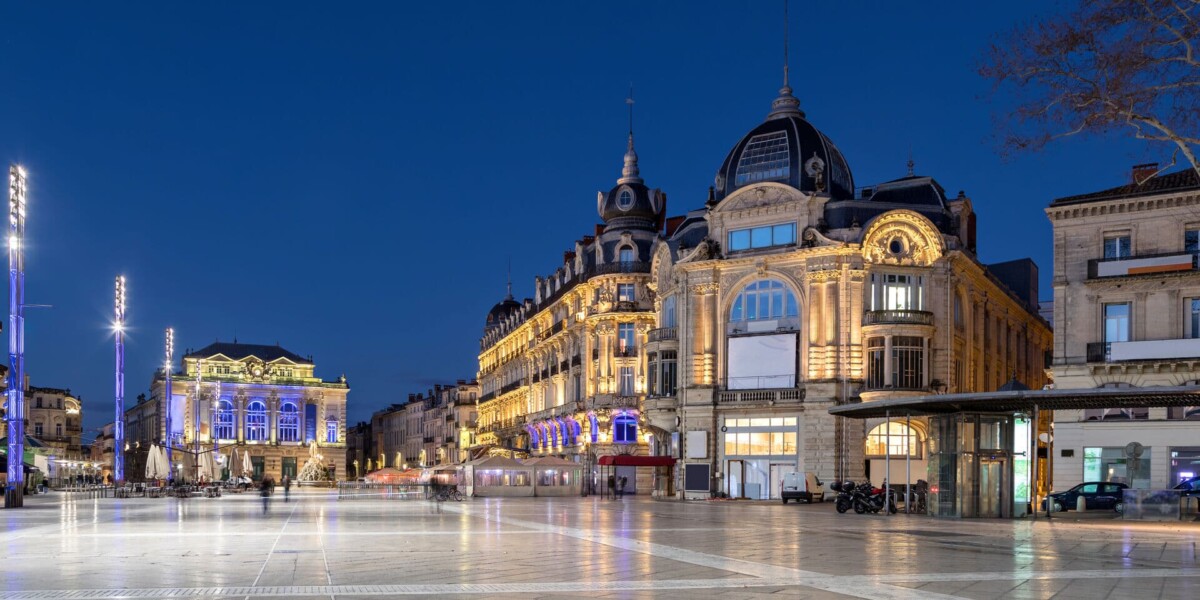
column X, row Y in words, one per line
column 352, row 182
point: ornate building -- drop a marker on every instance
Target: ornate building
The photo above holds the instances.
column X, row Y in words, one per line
column 564, row 373
column 1127, row 315
column 263, row 399
column 431, row 429
column 791, row 292
column 55, row 418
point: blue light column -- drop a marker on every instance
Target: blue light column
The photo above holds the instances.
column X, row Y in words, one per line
column 16, row 336
column 119, row 404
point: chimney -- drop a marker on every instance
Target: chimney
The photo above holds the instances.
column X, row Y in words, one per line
column 1141, row 173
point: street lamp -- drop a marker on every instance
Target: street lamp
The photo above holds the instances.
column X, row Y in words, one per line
column 170, row 351
column 16, row 336
column 119, row 402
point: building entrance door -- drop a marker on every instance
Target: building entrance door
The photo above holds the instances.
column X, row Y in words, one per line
column 991, row 488
column 735, row 478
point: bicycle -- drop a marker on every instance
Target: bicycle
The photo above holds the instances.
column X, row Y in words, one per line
column 449, row 493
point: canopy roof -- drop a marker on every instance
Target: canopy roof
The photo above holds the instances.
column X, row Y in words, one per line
column 550, row 461
column 1023, row 401
column 627, row 460
column 499, row 462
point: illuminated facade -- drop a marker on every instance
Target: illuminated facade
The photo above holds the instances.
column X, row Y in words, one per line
column 791, row 292
column 564, row 373
column 430, row 429
column 54, row 417
column 264, row 399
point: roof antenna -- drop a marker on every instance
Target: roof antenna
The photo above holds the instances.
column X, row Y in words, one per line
column 785, row 42
column 509, row 296
column 786, row 104
column 629, row 173
column 911, row 164
column 629, row 101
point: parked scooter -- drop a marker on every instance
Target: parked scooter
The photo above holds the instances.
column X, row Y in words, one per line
column 845, row 497
column 868, row 498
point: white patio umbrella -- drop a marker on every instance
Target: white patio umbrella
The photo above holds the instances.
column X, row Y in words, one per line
column 233, row 463
column 152, row 463
column 206, row 466
column 247, row 465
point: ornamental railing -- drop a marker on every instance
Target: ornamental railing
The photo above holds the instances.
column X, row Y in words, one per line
column 897, row 317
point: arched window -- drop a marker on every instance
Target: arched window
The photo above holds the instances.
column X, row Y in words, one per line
column 224, row 428
column 256, row 421
column 626, row 255
column 624, row 429
column 289, row 423
column 763, row 300
column 594, row 429
column 331, row 431
column 534, row 438
column 892, row 439
column 553, row 434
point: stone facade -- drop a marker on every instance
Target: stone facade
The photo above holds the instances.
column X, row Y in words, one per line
column 431, row 429
column 1127, row 314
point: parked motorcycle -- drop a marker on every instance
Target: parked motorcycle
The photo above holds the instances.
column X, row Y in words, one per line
column 845, row 497
column 868, row 498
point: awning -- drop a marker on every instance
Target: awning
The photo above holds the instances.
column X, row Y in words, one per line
column 627, row 460
column 1023, row 401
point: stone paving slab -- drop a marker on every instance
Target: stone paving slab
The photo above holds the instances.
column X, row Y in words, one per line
column 318, row 547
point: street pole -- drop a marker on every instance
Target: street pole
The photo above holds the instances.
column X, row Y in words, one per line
column 196, row 418
column 170, row 348
column 15, row 495
column 119, row 396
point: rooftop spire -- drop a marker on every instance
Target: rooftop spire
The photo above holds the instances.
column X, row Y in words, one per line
column 786, row 104
column 629, row 174
column 911, row 164
column 509, row 296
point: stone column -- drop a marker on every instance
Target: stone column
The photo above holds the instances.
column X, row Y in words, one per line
column 272, row 419
column 239, row 418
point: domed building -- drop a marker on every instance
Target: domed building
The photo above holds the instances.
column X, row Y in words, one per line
column 791, row 291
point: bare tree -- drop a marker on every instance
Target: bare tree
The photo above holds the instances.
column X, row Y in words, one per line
column 1101, row 66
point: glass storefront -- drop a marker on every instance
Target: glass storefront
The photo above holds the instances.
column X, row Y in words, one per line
column 1185, row 464
column 1112, row 464
column 973, row 466
column 758, row 451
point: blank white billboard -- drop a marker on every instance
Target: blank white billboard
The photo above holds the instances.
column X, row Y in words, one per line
column 762, row 361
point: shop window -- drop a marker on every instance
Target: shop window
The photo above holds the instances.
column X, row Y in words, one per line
column 1112, row 464
column 893, row 439
column 624, row 429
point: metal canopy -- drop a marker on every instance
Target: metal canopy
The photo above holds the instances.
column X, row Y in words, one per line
column 1023, row 401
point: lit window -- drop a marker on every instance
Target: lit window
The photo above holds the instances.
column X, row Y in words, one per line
column 766, row 236
column 224, row 429
column 256, row 422
column 765, row 157
column 763, row 300
column 625, row 292
column 289, row 423
column 626, row 382
column 893, row 439
column 331, row 431
column 626, row 342
column 624, row 429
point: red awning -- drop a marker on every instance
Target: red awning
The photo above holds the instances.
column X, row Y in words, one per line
column 626, row 460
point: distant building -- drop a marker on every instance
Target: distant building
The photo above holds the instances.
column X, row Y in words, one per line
column 429, row 429
column 54, row 416
column 1127, row 315
column 265, row 400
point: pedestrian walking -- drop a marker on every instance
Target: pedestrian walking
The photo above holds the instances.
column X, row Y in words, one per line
column 287, row 488
column 621, row 486
column 265, row 490
column 612, row 487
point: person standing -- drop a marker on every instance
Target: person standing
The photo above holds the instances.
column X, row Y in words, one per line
column 265, row 490
column 612, row 487
column 621, row 486
column 287, row 488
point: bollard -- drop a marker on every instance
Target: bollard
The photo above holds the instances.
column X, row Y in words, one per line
column 1081, row 504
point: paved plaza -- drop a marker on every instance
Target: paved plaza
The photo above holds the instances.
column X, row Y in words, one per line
column 318, row 546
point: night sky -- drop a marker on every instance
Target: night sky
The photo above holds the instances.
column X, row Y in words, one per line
column 351, row 181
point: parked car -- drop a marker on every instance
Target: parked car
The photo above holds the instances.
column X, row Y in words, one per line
column 1189, row 487
column 802, row 486
column 1099, row 495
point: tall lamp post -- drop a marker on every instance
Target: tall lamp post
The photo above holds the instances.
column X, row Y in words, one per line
column 15, row 495
column 119, row 403
column 170, row 348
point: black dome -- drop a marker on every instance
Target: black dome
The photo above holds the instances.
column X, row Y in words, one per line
column 782, row 149
column 501, row 311
column 630, row 204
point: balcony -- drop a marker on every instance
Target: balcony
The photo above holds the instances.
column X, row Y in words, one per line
column 606, row 401
column 761, row 397
column 620, row 267
column 897, row 317
column 1108, row 352
column 625, row 351
column 663, row 334
column 429, row 439
column 761, row 326
column 1145, row 264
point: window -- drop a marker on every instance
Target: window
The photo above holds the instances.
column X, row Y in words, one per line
column 58, row 429
column 894, row 291
column 1192, row 318
column 1117, row 246
column 668, row 312
column 893, row 439
column 37, row 429
column 908, row 354
column 627, row 255
column 765, row 157
column 1116, row 322
column 625, row 292
column 666, row 380
column 763, row 300
column 593, row 428
column 39, row 401
column 958, row 312
column 1113, row 465
column 256, row 422
column 626, row 342
column 624, row 429
column 624, row 200
column 331, row 431
column 625, row 382
column 1190, row 413
column 1191, row 241
column 289, row 423
column 876, row 363
column 766, row 236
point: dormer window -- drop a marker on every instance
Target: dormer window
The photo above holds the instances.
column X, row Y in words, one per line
column 625, row 200
column 766, row 236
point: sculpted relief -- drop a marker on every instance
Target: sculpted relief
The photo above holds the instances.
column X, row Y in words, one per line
column 902, row 238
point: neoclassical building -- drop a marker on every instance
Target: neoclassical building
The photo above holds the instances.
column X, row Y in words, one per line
column 265, row 400
column 790, row 292
column 1127, row 315
column 564, row 372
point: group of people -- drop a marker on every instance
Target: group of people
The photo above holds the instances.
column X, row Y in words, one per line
column 616, row 486
column 267, row 487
